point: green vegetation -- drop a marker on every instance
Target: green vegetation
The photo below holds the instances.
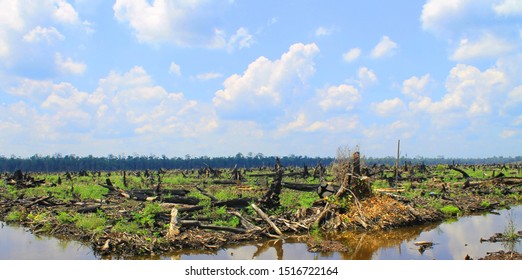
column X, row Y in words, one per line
column 450, row 210
column 92, row 222
column 510, row 230
column 147, row 217
column 14, row 216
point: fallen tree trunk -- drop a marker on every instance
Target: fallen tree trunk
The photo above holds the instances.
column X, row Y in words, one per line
column 300, row 187
column 195, row 223
column 267, row 219
column 181, row 200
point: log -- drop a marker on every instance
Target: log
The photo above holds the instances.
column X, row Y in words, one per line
column 233, row 203
column 173, row 227
column 42, row 199
column 205, row 193
column 423, row 243
column 341, row 191
column 460, row 171
column 196, row 223
column 89, row 209
column 181, row 200
column 266, row 218
column 245, row 222
column 300, row 187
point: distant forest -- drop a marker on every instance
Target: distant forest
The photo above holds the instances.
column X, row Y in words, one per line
column 60, row 163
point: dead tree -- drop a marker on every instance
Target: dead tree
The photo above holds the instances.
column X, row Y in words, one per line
column 271, row 198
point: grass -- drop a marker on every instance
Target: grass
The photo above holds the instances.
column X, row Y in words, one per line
column 93, row 222
column 293, row 200
column 147, row 217
column 450, row 210
column 510, row 230
column 14, row 216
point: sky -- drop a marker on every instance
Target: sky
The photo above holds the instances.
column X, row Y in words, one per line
column 215, row 78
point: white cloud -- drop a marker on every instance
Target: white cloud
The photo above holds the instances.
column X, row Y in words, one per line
column 508, row 8
column 384, row 48
column 130, row 102
column 208, row 76
column 68, row 65
column 25, row 21
column 414, row 86
column 39, row 33
column 437, row 13
column 400, row 129
column 323, row 31
column 242, row 39
column 514, row 96
column 65, row 13
column 366, row 77
column 301, row 123
column 487, row 46
column 342, row 97
column 388, row 107
column 187, row 23
column 174, row 69
column 470, row 93
column 352, row 54
column 264, row 83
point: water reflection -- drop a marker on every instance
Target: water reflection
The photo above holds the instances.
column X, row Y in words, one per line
column 452, row 239
column 19, row 244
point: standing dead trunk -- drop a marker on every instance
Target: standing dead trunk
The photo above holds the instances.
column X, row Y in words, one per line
column 173, row 227
column 271, row 198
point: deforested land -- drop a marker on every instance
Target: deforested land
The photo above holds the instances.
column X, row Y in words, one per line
column 135, row 206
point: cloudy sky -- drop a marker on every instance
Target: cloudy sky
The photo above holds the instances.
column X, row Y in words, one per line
column 198, row 77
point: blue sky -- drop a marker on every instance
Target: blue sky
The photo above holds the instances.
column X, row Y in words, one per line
column 215, row 78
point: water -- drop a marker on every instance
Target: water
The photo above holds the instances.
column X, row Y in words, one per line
column 16, row 243
column 452, row 240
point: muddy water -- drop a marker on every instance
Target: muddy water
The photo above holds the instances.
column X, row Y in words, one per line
column 17, row 243
column 452, row 240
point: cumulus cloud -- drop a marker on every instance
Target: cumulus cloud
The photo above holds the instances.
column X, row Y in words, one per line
column 469, row 93
column 438, row 13
column 242, row 39
column 338, row 97
column 174, row 69
column 414, row 86
column 388, row 107
column 32, row 22
column 302, row 123
column 186, row 23
column 352, row 54
column 47, row 34
column 67, row 65
column 126, row 105
column 266, row 82
column 65, row 13
column 488, row 45
column 366, row 77
column 385, row 47
column 508, row 8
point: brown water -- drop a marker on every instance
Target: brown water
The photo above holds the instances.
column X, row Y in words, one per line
column 452, row 240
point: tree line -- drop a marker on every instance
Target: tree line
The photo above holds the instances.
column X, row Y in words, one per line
column 61, row 163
